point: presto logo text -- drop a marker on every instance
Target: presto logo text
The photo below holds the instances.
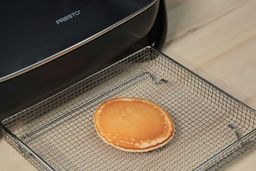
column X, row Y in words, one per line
column 68, row 17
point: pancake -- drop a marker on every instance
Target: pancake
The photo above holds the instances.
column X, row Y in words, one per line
column 133, row 125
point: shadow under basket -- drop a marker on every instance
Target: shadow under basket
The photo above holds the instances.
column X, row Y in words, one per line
column 212, row 127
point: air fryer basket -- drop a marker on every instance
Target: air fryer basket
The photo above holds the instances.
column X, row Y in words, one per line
column 212, row 127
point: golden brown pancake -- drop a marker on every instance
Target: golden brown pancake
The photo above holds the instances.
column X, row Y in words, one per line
column 133, row 125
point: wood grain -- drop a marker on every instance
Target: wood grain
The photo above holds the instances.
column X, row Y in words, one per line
column 235, row 72
column 217, row 37
column 217, row 40
column 11, row 160
column 188, row 16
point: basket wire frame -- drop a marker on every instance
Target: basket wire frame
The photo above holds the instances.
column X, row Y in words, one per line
column 212, row 127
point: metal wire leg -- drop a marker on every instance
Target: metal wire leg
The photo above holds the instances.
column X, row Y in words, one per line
column 157, row 82
column 235, row 130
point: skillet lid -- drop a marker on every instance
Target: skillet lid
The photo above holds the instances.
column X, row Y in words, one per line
column 34, row 33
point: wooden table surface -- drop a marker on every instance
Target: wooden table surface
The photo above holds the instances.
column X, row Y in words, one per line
column 214, row 38
column 217, row 40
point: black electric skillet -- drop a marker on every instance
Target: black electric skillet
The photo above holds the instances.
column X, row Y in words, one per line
column 48, row 45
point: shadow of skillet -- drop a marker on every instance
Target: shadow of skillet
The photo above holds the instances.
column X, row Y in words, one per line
column 1, row 132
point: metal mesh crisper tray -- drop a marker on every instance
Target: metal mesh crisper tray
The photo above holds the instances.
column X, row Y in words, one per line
column 212, row 127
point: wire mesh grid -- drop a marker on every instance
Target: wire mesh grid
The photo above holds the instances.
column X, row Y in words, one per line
column 211, row 126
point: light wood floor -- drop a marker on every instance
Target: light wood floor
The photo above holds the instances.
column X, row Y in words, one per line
column 217, row 40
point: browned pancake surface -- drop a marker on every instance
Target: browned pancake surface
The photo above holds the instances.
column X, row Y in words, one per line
column 133, row 125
